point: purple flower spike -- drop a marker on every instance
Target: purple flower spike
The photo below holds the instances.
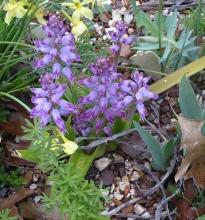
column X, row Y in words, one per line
column 99, row 108
column 57, row 50
column 49, row 104
column 137, row 90
column 119, row 35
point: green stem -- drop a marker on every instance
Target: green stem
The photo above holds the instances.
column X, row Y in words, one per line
column 16, row 100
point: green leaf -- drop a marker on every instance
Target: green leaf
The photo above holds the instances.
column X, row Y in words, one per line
column 147, row 46
column 119, row 125
column 30, row 155
column 154, row 147
column 168, row 150
column 171, row 25
column 201, row 217
column 173, row 78
column 81, row 161
column 143, row 19
column 189, row 104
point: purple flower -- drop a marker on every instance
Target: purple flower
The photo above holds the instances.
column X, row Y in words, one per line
column 119, row 35
column 99, row 108
column 57, row 50
column 49, row 104
column 137, row 91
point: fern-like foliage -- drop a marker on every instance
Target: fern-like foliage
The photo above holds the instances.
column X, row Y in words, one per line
column 71, row 195
column 4, row 215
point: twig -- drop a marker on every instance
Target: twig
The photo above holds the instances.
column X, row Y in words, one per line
column 105, row 140
column 122, row 215
column 130, row 202
column 158, row 210
column 168, row 173
column 160, row 186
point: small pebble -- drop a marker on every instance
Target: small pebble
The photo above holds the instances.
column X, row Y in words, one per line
column 135, row 176
column 33, row 186
column 102, row 163
column 118, row 195
column 37, row 199
column 123, row 185
column 125, row 179
column 139, row 210
column 118, row 157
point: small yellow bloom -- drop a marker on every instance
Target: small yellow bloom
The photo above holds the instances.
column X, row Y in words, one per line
column 69, row 147
column 78, row 27
column 39, row 16
column 80, row 10
column 14, row 9
column 39, row 13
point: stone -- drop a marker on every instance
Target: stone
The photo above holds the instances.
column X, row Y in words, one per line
column 135, row 176
column 122, row 171
column 146, row 215
column 37, row 199
column 118, row 157
column 139, row 210
column 107, row 177
column 102, row 163
column 123, row 185
column 132, row 192
column 118, row 196
column 33, row 186
column 125, row 179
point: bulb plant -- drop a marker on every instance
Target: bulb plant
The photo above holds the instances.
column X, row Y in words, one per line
column 76, row 100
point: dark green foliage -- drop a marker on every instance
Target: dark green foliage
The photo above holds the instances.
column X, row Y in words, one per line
column 196, row 19
column 15, row 56
column 11, row 178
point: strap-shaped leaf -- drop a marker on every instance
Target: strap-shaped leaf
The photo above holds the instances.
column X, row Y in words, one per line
column 154, row 147
column 175, row 77
column 189, row 104
column 168, row 149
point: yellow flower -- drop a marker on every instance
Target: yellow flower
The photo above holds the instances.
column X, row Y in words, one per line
column 80, row 10
column 14, row 9
column 39, row 13
column 78, row 27
column 39, row 16
column 69, row 147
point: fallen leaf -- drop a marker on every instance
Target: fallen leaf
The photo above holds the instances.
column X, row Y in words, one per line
column 150, row 62
column 184, row 205
column 15, row 198
column 32, row 211
column 193, row 142
column 14, row 212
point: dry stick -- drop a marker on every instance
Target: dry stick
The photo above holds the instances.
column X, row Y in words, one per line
column 130, row 202
column 158, row 210
column 105, row 140
column 160, row 186
column 168, row 173
column 122, row 215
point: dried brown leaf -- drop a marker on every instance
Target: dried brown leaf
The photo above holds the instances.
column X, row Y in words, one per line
column 16, row 197
column 193, row 142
